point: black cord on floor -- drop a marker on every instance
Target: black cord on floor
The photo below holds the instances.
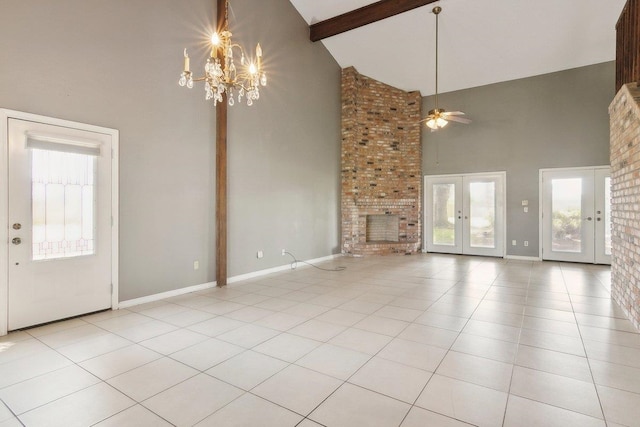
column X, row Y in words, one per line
column 294, row 264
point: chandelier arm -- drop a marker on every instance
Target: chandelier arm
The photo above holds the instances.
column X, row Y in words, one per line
column 246, row 89
column 238, row 46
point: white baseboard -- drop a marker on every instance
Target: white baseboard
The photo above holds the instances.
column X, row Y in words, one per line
column 301, row 264
column 230, row 280
column 522, row 258
column 163, row 295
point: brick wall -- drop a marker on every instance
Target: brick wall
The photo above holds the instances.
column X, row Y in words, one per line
column 624, row 114
column 381, row 163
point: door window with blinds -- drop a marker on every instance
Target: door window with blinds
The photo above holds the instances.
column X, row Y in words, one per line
column 63, row 179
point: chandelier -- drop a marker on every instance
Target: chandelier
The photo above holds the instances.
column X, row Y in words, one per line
column 221, row 74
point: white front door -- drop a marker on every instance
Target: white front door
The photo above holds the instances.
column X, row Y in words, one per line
column 576, row 215
column 465, row 214
column 59, row 222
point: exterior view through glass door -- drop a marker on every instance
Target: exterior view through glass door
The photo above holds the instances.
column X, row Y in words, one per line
column 576, row 215
column 464, row 214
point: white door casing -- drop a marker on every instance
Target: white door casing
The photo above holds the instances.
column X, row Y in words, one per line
column 36, row 287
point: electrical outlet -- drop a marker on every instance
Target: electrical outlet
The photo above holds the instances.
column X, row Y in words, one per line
column 284, row 252
column 526, row 243
column 259, row 254
column 196, row 265
column 514, row 243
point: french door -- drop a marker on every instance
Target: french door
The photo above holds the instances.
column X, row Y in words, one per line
column 60, row 238
column 576, row 215
column 464, row 214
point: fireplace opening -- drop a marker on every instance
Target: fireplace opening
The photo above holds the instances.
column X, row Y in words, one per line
column 382, row 228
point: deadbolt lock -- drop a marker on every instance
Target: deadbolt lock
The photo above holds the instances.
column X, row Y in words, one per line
column 17, row 226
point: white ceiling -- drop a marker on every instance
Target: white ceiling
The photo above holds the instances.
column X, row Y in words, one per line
column 481, row 41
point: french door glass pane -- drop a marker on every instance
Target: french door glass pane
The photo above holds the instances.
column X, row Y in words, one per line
column 566, row 204
column 63, row 214
column 482, row 213
column 444, row 196
column 607, row 216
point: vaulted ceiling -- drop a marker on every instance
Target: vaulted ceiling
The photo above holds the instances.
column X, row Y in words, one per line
column 481, row 41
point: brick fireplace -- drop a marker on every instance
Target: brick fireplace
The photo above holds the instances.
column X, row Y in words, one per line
column 381, row 167
column 625, row 197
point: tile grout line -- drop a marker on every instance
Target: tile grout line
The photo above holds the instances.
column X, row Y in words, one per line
column 515, row 357
column 593, row 380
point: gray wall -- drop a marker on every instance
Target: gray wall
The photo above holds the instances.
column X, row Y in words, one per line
column 554, row 120
column 284, row 151
column 115, row 63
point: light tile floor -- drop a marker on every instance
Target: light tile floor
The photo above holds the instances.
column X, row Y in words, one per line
column 425, row 340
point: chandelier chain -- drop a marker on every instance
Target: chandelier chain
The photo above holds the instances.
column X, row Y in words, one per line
column 226, row 15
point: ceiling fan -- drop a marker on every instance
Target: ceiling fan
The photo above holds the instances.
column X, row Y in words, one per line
column 438, row 117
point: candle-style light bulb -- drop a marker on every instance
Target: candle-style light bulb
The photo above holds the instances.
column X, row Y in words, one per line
column 186, row 61
column 252, row 69
column 215, row 42
column 258, row 51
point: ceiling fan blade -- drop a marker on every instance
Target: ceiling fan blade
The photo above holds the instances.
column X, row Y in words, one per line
column 426, row 119
column 453, row 113
column 459, row 119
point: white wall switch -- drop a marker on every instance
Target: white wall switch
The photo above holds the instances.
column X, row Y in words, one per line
column 526, row 243
column 513, row 243
column 196, row 265
column 259, row 254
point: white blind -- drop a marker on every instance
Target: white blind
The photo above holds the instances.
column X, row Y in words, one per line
column 64, row 144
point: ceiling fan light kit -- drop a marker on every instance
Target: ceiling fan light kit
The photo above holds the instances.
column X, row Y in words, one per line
column 435, row 119
column 438, row 117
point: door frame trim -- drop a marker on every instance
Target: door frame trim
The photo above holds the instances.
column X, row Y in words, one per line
column 503, row 226
column 5, row 115
column 541, row 195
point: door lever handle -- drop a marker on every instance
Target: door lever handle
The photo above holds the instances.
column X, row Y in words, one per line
column 16, row 240
column 588, row 218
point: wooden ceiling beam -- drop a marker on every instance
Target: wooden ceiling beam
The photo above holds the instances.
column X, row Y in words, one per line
column 360, row 17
